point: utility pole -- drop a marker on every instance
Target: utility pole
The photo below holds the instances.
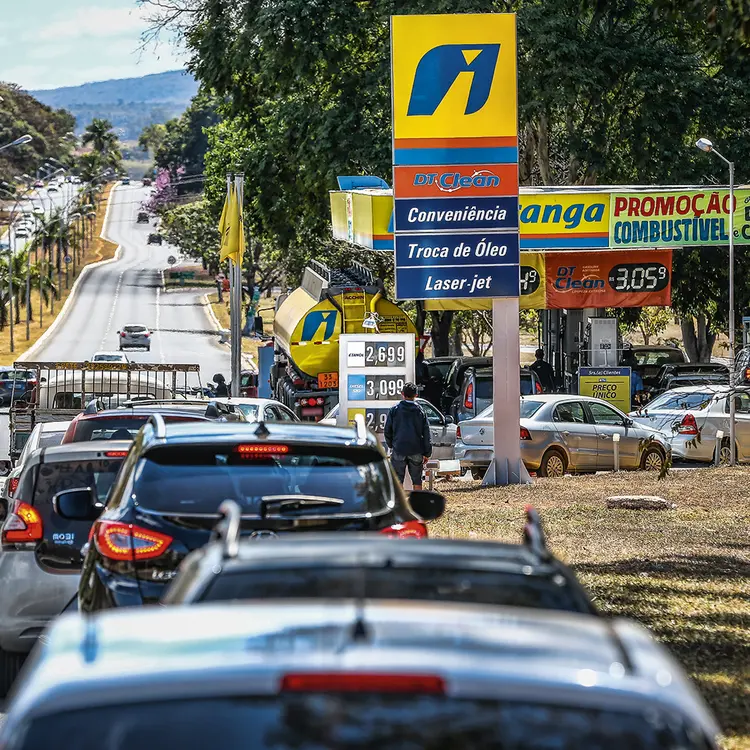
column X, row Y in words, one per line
column 235, row 296
column 10, row 283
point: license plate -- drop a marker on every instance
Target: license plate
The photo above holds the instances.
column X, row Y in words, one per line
column 328, row 380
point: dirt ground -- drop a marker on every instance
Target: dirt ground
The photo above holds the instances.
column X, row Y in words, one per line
column 683, row 573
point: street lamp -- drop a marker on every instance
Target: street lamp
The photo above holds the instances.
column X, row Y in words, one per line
column 18, row 142
column 705, row 145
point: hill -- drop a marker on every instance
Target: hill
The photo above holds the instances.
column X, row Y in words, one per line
column 128, row 103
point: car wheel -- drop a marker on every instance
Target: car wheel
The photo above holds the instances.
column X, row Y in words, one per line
column 725, row 454
column 554, row 464
column 478, row 473
column 652, row 459
column 10, row 666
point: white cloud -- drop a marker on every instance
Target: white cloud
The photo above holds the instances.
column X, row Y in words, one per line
column 93, row 22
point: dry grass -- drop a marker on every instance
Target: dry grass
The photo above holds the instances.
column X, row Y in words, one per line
column 267, row 309
column 97, row 250
column 684, row 573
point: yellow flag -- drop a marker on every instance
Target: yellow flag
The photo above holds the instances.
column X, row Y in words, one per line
column 232, row 229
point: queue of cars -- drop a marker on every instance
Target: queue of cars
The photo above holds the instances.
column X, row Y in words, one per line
column 302, row 601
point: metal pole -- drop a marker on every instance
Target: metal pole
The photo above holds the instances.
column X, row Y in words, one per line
column 10, row 283
column 732, row 416
column 28, row 295
column 235, row 270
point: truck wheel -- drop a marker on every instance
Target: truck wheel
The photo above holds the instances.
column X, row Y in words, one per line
column 554, row 464
column 478, row 473
column 10, row 666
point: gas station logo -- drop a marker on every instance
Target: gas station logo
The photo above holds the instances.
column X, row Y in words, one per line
column 439, row 69
column 452, row 181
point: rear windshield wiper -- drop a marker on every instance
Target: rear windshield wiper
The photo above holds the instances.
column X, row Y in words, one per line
column 287, row 503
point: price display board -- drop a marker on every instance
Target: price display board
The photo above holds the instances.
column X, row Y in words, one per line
column 373, row 368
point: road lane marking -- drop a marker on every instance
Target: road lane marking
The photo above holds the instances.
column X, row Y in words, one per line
column 103, row 345
column 157, row 326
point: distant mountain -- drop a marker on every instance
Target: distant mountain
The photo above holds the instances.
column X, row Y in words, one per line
column 128, row 103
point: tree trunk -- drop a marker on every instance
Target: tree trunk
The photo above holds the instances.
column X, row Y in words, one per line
column 441, row 326
column 543, row 151
column 698, row 338
column 421, row 318
column 456, row 341
column 646, row 336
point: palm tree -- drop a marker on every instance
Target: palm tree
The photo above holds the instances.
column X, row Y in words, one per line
column 103, row 141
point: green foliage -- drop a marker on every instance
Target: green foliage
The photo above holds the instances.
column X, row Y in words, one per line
column 20, row 113
column 152, row 137
column 104, row 142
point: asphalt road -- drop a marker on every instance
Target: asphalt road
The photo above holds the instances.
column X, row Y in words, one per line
column 130, row 290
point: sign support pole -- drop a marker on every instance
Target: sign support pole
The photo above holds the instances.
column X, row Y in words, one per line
column 235, row 302
column 506, row 467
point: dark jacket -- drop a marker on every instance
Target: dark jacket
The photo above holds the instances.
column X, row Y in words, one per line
column 546, row 374
column 407, row 431
column 221, row 390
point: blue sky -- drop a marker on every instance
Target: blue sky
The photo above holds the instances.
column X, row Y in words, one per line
column 51, row 43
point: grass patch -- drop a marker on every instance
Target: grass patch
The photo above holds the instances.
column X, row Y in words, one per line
column 683, row 573
column 98, row 249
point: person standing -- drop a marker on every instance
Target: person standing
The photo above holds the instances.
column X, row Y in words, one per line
column 220, row 389
column 407, row 434
column 543, row 370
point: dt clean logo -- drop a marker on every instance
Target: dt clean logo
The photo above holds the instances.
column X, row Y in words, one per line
column 439, row 69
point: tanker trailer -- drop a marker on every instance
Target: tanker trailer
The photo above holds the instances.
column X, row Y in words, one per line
column 307, row 324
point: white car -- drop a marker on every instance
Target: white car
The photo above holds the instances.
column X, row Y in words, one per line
column 110, row 357
column 442, row 429
column 21, row 232
column 135, row 335
column 261, row 409
column 693, row 416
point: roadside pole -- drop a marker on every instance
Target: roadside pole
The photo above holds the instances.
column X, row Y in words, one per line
column 235, row 297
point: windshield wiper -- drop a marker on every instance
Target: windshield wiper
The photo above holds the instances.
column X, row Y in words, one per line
column 296, row 502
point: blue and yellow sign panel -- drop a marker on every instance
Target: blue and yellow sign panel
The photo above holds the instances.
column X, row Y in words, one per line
column 610, row 384
column 455, row 152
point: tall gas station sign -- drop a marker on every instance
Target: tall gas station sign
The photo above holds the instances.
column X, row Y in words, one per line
column 455, row 185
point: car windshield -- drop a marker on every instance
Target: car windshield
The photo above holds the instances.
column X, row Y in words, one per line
column 362, row 720
column 249, row 410
column 658, row 356
column 671, row 401
column 118, row 428
column 464, row 585
column 530, row 407
column 196, row 478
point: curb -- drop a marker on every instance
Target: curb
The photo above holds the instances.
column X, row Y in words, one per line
column 247, row 358
column 42, row 340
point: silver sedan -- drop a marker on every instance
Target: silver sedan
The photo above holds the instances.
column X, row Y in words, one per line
column 566, row 433
column 693, row 418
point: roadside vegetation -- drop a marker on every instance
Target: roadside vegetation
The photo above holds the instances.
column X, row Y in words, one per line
column 683, row 573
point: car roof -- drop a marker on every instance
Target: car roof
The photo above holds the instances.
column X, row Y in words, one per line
column 86, row 450
column 292, row 432
column 144, row 410
column 54, row 426
column 151, row 653
column 247, row 400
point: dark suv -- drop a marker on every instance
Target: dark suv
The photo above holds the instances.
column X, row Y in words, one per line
column 377, row 566
column 286, row 477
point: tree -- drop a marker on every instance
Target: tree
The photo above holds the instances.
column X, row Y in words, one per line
column 152, row 137
column 104, row 142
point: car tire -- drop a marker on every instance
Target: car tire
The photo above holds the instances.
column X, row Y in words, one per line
column 10, row 666
column 554, row 464
column 478, row 473
column 725, row 454
column 653, row 459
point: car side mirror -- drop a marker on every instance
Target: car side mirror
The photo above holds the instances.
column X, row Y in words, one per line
column 628, row 422
column 427, row 505
column 77, row 505
column 449, row 419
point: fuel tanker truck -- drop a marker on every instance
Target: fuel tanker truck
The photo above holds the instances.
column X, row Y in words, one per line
column 307, row 324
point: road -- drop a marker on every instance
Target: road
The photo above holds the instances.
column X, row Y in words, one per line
column 130, row 290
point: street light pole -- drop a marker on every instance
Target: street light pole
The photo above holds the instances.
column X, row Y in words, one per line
column 18, row 142
column 705, row 145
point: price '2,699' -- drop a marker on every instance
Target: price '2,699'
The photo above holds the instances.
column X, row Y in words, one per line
column 639, row 277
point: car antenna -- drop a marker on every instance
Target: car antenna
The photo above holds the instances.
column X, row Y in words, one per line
column 533, row 534
column 262, row 431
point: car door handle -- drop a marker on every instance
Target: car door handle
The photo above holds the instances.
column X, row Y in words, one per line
column 604, row 437
column 566, row 433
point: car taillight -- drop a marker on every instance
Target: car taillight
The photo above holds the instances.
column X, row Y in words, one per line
column 13, row 485
column 747, row 373
column 261, row 449
column 458, row 432
column 146, row 335
column 525, row 434
column 115, row 454
column 688, row 426
column 347, row 682
column 469, row 397
column 538, row 387
column 122, row 541
column 24, row 524
column 406, row 530
column 123, row 334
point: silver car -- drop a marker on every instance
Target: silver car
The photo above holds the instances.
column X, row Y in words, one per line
column 442, row 429
column 565, row 433
column 692, row 418
column 134, row 335
column 364, row 674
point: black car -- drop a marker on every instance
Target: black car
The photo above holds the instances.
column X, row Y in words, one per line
column 377, row 566
column 143, row 218
column 431, row 378
column 154, row 239
column 286, row 477
column 455, row 378
column 664, row 379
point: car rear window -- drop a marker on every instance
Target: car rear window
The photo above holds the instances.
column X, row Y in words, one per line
column 363, row 720
column 529, row 407
column 484, row 388
column 249, row 410
column 134, row 329
column 99, row 474
column 196, row 478
column 50, row 439
column 465, row 585
column 671, row 401
column 117, row 428
column 658, row 357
